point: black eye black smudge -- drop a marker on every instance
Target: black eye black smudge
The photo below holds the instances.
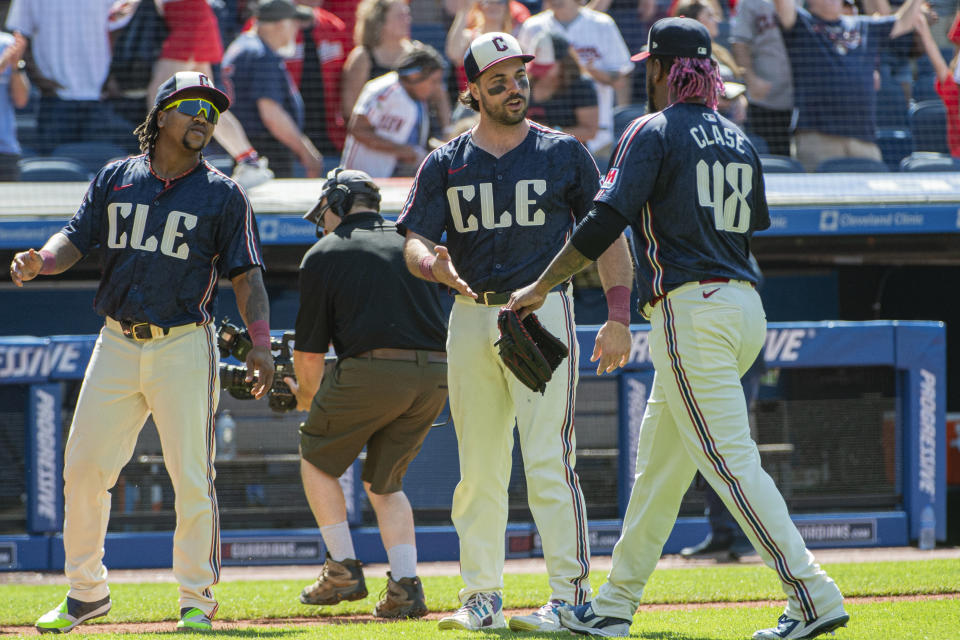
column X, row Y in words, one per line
column 524, row 82
column 495, row 91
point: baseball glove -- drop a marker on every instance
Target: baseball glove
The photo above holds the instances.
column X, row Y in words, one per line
column 530, row 351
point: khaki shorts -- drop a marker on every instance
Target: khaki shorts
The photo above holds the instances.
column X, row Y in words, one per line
column 386, row 405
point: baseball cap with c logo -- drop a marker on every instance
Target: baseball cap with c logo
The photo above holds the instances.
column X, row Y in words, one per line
column 489, row 49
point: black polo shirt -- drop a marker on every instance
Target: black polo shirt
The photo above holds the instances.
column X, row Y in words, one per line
column 355, row 290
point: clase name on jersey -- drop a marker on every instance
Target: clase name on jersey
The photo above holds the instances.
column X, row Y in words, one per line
column 706, row 136
column 525, row 214
column 169, row 244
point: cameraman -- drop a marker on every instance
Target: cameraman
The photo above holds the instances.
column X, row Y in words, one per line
column 388, row 386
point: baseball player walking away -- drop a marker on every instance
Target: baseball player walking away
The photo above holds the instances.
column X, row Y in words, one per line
column 508, row 193
column 167, row 225
column 689, row 183
column 388, row 386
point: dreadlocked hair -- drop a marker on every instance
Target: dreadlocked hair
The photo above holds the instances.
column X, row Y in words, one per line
column 148, row 131
column 695, row 78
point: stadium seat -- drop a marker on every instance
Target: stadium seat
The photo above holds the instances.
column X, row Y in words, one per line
column 924, row 87
column 92, row 155
column 779, row 164
column 624, row 115
column 928, row 124
column 895, row 145
column 759, row 143
column 52, row 169
column 891, row 104
column 852, row 165
column 431, row 33
column 928, row 161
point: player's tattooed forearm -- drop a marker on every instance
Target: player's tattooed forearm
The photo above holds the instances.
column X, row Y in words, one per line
column 252, row 296
column 567, row 263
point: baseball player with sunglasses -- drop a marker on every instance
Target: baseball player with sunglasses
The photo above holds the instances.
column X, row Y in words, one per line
column 507, row 194
column 167, row 225
column 690, row 185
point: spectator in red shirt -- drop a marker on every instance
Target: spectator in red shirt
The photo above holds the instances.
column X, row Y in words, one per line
column 316, row 68
column 948, row 77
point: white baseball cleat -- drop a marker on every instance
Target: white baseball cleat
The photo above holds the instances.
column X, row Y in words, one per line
column 792, row 629
column 543, row 619
column 481, row 611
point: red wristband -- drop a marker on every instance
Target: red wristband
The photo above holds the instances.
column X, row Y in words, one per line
column 259, row 333
column 618, row 304
column 49, row 262
column 426, row 268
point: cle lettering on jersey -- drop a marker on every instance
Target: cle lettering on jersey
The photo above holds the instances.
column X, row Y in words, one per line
column 169, row 244
column 522, row 215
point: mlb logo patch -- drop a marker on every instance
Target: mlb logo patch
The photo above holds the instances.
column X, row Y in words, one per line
column 610, row 178
column 709, row 117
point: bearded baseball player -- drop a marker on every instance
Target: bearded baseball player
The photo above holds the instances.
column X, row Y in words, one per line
column 507, row 194
column 689, row 184
column 168, row 225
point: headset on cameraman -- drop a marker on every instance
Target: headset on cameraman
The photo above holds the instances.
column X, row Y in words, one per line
column 340, row 197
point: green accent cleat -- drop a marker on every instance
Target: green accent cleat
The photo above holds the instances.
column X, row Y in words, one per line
column 70, row 613
column 193, row 619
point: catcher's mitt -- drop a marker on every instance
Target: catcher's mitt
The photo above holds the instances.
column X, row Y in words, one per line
column 530, row 351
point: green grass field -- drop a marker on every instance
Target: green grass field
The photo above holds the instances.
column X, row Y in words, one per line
column 926, row 619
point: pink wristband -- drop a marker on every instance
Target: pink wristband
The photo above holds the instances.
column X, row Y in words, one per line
column 618, row 305
column 260, row 333
column 426, row 268
column 49, row 262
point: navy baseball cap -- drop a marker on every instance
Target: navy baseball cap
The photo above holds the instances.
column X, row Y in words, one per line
column 680, row 37
column 183, row 80
column 489, row 49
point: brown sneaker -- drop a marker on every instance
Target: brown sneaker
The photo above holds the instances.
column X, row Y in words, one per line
column 337, row 582
column 404, row 599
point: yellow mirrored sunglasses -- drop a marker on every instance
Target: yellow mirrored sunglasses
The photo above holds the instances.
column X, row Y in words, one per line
column 195, row 106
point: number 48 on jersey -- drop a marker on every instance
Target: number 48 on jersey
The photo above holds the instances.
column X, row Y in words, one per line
column 733, row 213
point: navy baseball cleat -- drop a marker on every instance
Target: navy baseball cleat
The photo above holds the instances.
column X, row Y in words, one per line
column 582, row 619
column 792, row 629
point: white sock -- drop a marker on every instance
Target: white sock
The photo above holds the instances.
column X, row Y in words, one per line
column 403, row 561
column 338, row 541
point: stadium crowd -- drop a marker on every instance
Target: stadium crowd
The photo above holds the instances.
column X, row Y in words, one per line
column 829, row 85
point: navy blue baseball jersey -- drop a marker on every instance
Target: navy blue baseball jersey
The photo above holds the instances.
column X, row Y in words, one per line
column 690, row 184
column 505, row 217
column 165, row 243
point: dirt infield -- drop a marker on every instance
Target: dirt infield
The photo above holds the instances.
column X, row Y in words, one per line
column 227, row 625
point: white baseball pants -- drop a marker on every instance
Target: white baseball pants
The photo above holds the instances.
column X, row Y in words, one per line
column 696, row 418
column 175, row 378
column 486, row 400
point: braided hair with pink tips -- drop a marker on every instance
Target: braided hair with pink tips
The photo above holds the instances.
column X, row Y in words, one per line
column 695, row 78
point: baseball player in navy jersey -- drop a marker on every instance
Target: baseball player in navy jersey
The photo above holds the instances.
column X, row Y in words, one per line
column 507, row 193
column 689, row 184
column 167, row 225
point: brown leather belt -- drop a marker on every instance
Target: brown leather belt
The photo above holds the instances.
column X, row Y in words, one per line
column 406, row 355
